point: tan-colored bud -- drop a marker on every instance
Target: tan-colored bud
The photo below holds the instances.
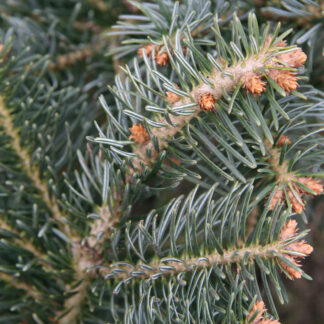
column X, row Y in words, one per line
column 259, row 319
column 139, row 134
column 162, row 58
column 288, row 231
column 253, row 83
column 172, row 98
column 207, row 102
column 295, row 58
column 282, row 140
column 147, row 49
column 287, row 80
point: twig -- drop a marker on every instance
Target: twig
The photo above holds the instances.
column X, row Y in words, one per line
column 74, row 303
column 188, row 265
column 72, row 58
column 105, row 224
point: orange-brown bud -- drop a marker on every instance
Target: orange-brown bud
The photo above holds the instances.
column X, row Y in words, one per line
column 162, row 58
column 311, row 183
column 278, row 197
column 294, row 274
column 301, row 247
column 172, row 98
column 139, row 134
column 253, row 83
column 207, row 102
column 295, row 58
column 282, row 140
column 297, row 205
column 282, row 43
column 287, row 80
column 259, row 319
column 257, row 307
column 288, row 231
column 147, row 49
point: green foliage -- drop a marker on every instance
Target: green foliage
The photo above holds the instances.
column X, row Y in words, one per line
column 80, row 240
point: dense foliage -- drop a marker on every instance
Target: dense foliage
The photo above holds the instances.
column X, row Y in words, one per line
column 180, row 193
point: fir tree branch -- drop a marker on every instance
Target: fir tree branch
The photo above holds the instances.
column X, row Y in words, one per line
column 66, row 60
column 73, row 305
column 290, row 187
column 85, row 258
column 168, row 268
column 220, row 82
column 29, row 290
column 105, row 224
column 32, row 172
column 25, row 244
column 52, row 204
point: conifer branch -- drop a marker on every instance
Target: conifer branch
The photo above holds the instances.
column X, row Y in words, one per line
column 32, row 172
column 105, row 224
column 51, row 203
column 168, row 268
column 25, row 244
column 245, row 73
column 65, row 60
column 20, row 285
column 73, row 305
column 290, row 188
column 85, row 258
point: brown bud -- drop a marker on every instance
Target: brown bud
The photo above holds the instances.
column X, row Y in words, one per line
column 139, row 134
column 282, row 140
column 312, row 184
column 207, row 102
column 260, row 309
column 172, row 98
column 278, row 197
column 147, row 49
column 288, row 231
column 162, row 59
column 297, row 205
column 295, row 58
column 287, row 80
column 253, row 83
